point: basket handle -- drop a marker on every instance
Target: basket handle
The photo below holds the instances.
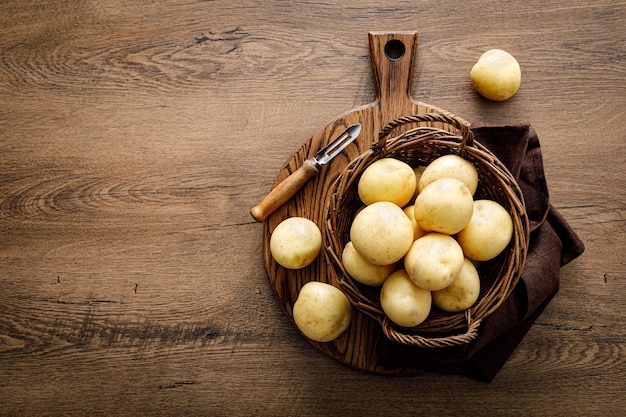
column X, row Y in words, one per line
column 466, row 134
column 428, row 342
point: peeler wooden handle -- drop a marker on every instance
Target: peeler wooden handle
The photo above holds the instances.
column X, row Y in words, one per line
column 284, row 191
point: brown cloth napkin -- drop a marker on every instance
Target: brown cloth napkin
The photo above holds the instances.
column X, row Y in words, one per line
column 553, row 244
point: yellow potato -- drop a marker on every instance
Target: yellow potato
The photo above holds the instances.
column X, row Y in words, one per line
column 382, row 233
column 496, row 75
column 433, row 261
column 462, row 293
column 321, row 311
column 417, row 230
column 295, row 242
column 361, row 270
column 445, row 206
column 488, row 232
column 418, row 175
column 403, row 302
column 450, row 166
column 387, row 179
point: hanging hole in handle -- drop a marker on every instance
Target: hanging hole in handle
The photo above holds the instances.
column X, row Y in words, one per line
column 394, row 50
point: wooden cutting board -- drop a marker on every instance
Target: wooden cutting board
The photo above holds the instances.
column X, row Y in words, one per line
column 393, row 57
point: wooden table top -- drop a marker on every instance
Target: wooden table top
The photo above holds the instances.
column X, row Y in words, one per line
column 134, row 139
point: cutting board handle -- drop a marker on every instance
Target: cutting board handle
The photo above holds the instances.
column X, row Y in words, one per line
column 393, row 58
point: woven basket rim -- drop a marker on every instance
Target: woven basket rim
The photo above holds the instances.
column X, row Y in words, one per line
column 440, row 329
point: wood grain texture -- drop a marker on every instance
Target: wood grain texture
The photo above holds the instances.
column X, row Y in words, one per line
column 135, row 137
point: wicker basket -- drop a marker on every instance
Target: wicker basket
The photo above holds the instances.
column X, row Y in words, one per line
column 419, row 146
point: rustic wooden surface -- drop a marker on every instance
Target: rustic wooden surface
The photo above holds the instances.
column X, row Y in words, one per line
column 135, row 137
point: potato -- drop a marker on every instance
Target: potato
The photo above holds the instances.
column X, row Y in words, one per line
column 295, row 242
column 403, row 302
column 445, row 206
column 417, row 230
column 418, row 175
column 381, row 233
column 387, row 179
column 362, row 271
column 496, row 75
column 321, row 311
column 450, row 166
column 462, row 293
column 433, row 261
column 488, row 232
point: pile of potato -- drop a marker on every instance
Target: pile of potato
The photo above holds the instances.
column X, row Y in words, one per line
column 420, row 234
column 418, row 237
